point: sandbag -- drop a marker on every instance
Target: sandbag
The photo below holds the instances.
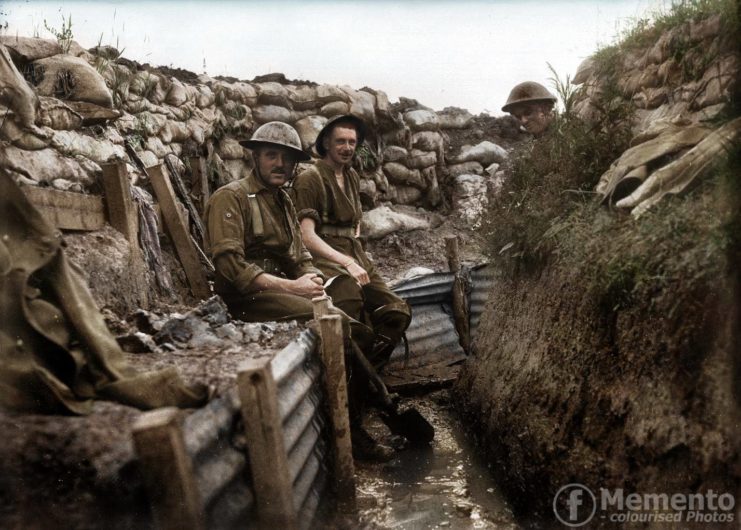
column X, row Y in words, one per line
column 422, row 120
column 308, row 129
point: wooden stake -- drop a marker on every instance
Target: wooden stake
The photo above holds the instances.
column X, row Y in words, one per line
column 123, row 216
column 333, row 359
column 120, row 206
column 179, row 232
column 199, row 182
column 321, row 306
column 271, row 478
column 167, row 470
column 460, row 300
column 453, row 254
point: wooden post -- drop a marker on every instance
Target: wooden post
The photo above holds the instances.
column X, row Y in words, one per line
column 167, row 470
column 460, row 301
column 333, row 359
column 179, row 232
column 453, row 254
column 199, row 181
column 120, row 206
column 273, row 487
column 124, row 217
column 321, row 306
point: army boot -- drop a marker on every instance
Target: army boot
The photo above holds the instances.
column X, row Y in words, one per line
column 367, row 449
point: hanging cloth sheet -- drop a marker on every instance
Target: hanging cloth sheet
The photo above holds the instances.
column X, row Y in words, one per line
column 56, row 353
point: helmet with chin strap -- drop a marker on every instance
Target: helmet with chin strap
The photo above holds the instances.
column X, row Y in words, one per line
column 528, row 92
column 279, row 134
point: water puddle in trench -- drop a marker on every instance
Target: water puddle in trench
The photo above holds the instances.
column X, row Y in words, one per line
column 443, row 486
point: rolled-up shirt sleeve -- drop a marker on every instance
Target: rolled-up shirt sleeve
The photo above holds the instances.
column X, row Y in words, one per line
column 307, row 189
column 226, row 223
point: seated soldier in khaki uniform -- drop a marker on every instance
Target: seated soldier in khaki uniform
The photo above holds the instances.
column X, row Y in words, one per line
column 263, row 270
column 329, row 211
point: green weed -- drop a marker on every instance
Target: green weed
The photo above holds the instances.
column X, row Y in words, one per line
column 63, row 35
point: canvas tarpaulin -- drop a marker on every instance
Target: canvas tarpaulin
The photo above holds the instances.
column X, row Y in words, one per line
column 56, row 353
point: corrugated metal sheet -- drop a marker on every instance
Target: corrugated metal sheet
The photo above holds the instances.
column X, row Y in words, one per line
column 220, row 469
column 300, row 396
column 482, row 283
column 435, row 287
column 432, row 339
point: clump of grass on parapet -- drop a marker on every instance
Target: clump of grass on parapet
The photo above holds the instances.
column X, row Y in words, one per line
column 643, row 32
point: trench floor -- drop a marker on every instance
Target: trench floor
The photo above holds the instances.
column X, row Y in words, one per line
column 445, row 485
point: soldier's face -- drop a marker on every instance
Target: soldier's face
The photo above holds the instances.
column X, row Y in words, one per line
column 341, row 144
column 275, row 165
column 534, row 117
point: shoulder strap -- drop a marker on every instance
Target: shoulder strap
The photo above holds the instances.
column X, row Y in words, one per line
column 257, row 226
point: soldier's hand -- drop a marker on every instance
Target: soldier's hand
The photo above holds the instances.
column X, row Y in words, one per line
column 308, row 285
column 359, row 273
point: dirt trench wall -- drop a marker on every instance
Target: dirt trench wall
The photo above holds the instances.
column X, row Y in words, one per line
column 566, row 390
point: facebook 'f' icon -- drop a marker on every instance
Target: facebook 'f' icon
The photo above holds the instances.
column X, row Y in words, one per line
column 573, row 503
column 572, row 507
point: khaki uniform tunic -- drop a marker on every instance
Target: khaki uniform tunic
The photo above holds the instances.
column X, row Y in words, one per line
column 337, row 214
column 252, row 229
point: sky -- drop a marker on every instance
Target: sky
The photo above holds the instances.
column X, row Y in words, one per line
column 443, row 53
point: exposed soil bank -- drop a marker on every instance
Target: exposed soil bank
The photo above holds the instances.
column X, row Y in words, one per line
column 568, row 383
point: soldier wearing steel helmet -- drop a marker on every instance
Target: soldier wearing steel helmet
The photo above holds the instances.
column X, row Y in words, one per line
column 263, row 270
column 532, row 104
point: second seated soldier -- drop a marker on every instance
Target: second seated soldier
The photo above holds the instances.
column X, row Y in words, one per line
column 329, row 211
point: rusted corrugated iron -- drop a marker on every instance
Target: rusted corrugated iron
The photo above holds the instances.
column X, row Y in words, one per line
column 432, row 339
column 300, row 396
column 482, row 282
column 219, row 468
column 426, row 289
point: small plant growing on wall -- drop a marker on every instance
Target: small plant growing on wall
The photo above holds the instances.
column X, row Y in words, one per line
column 64, row 35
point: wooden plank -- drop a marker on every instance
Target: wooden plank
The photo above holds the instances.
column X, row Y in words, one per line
column 460, row 300
column 68, row 210
column 271, row 477
column 179, row 232
column 167, row 470
column 333, row 359
column 124, row 217
column 199, row 181
column 120, row 206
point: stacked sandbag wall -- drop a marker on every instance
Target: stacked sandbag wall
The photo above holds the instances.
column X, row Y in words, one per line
column 689, row 70
column 93, row 102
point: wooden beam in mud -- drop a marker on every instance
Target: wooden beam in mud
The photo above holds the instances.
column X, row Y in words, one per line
column 167, row 470
column 271, row 478
column 179, row 232
column 68, row 210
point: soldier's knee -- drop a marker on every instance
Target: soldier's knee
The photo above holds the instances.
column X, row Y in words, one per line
column 347, row 295
column 392, row 319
